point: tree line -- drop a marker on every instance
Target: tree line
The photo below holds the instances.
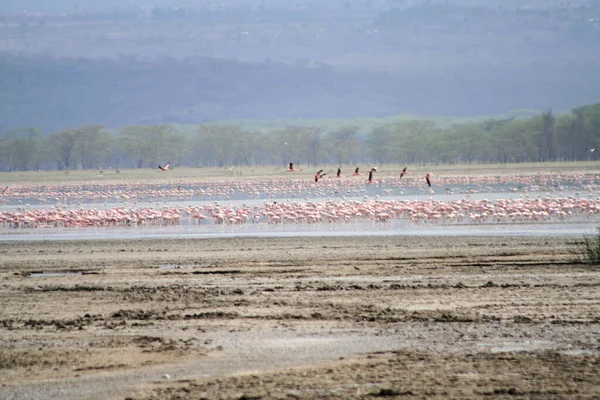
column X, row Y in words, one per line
column 544, row 137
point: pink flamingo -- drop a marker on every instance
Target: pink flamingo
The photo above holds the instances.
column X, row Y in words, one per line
column 319, row 175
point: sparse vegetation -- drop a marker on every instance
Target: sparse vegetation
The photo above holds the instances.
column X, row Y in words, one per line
column 588, row 248
column 546, row 137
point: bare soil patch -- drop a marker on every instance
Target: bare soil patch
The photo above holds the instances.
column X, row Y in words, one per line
column 306, row 317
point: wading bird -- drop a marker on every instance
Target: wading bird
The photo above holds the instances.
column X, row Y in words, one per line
column 371, row 174
column 403, row 172
column 427, row 180
column 165, row 168
column 319, row 175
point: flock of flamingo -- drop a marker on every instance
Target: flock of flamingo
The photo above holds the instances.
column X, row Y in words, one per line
column 531, row 198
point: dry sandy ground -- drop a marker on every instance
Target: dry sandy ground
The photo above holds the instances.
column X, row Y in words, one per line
column 336, row 317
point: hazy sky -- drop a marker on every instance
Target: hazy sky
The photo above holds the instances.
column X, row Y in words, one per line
column 16, row 6
column 291, row 58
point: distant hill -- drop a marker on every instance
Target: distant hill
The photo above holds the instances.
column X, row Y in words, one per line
column 57, row 93
column 199, row 61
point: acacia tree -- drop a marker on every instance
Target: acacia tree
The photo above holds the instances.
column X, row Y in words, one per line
column 520, row 138
column 381, row 143
column 548, row 142
column 417, row 142
column 343, row 144
column 292, row 144
column 177, row 149
column 564, row 144
column 248, row 151
column 62, row 144
column 539, row 138
column 20, row 149
column 310, row 139
column 401, row 142
column 472, row 142
column 217, row 144
column 590, row 126
column 90, row 145
column 148, row 145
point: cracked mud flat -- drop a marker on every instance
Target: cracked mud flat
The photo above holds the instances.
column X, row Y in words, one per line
column 306, row 317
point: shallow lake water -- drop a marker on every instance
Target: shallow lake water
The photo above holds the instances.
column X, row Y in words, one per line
column 354, row 228
column 573, row 227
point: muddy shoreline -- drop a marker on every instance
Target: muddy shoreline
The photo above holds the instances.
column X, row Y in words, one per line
column 299, row 317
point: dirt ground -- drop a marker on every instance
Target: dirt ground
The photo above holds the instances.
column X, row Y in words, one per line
column 299, row 318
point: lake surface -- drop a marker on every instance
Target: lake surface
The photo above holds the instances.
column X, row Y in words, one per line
column 354, row 228
column 396, row 227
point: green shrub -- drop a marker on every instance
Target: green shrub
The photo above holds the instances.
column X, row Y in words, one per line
column 588, row 248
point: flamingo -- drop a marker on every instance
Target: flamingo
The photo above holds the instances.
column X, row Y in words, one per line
column 165, row 168
column 356, row 171
column 318, row 175
column 403, row 172
column 339, row 173
column 464, row 210
column 371, row 174
column 291, row 167
column 427, row 180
